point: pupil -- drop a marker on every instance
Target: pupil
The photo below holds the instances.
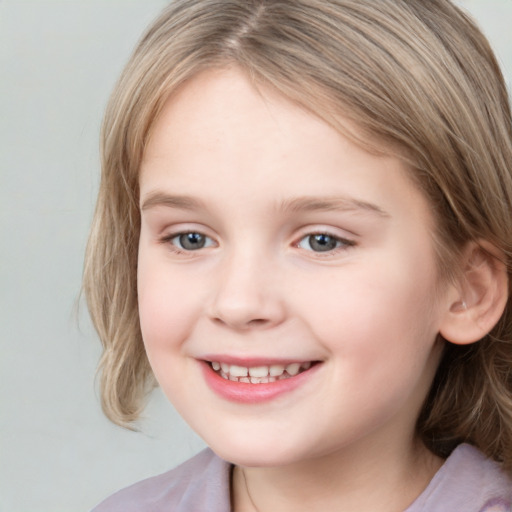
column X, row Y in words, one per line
column 322, row 243
column 192, row 241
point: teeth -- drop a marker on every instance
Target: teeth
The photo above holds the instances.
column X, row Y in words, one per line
column 238, row 371
column 293, row 369
column 258, row 371
column 259, row 380
column 259, row 374
column 276, row 370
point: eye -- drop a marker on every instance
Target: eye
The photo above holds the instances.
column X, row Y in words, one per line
column 323, row 242
column 190, row 241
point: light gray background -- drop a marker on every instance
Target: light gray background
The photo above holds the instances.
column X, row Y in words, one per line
column 58, row 62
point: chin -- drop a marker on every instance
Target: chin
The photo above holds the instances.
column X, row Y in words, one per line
column 253, row 460
column 256, row 452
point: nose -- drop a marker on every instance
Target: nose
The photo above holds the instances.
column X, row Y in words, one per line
column 248, row 294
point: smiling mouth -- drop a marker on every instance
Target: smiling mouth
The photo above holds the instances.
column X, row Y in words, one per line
column 259, row 374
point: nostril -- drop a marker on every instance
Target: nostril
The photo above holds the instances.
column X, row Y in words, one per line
column 257, row 321
column 254, row 323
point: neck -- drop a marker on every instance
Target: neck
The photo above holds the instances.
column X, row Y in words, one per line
column 385, row 480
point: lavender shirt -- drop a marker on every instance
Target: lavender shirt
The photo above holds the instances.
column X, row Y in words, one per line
column 467, row 482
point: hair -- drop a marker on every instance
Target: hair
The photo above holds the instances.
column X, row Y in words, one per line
column 416, row 77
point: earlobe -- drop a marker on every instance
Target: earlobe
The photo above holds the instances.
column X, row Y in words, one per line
column 480, row 299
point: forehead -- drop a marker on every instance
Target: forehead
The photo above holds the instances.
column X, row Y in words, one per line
column 228, row 91
column 224, row 105
column 219, row 133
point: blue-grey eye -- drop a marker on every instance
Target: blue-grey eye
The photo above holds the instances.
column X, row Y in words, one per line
column 321, row 242
column 192, row 241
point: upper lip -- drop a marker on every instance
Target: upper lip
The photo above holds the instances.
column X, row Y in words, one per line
column 253, row 361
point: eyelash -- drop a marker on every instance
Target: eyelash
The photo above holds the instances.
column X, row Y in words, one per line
column 181, row 250
column 341, row 244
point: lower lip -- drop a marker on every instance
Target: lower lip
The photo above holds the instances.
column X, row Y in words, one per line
column 243, row 392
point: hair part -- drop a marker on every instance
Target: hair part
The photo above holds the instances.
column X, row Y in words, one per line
column 417, row 79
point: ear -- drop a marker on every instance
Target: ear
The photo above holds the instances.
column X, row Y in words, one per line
column 477, row 302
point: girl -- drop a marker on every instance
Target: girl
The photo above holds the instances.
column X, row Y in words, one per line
column 304, row 233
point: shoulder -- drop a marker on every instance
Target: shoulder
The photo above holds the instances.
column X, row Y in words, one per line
column 467, row 481
column 201, row 483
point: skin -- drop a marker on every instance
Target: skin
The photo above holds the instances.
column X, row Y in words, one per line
column 369, row 310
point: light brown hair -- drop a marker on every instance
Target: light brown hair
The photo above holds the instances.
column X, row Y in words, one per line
column 416, row 76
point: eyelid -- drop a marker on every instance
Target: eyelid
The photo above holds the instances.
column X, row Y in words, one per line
column 326, row 229
column 172, row 234
column 179, row 235
column 346, row 242
column 171, row 230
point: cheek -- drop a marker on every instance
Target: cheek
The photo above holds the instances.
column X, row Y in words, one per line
column 166, row 305
column 380, row 331
column 375, row 310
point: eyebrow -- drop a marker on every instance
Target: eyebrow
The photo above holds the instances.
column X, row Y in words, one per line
column 335, row 203
column 294, row 205
column 162, row 199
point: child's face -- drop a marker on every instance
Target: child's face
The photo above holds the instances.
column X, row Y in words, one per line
column 301, row 248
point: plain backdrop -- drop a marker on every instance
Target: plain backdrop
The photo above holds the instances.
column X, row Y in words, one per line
column 59, row 60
